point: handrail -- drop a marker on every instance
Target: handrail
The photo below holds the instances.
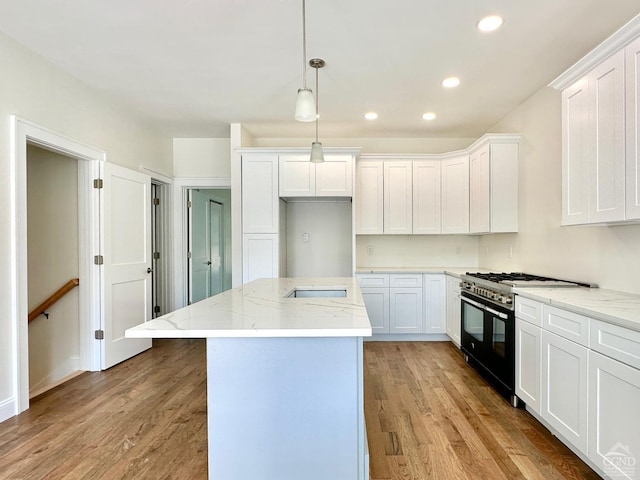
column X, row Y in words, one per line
column 61, row 292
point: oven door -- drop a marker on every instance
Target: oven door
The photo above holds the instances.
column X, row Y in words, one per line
column 488, row 336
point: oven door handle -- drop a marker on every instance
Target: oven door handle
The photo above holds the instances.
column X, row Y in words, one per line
column 499, row 314
column 473, row 302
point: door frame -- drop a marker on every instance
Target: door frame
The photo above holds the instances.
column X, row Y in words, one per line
column 181, row 231
column 25, row 132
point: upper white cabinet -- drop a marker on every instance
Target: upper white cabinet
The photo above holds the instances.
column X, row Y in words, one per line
column 260, row 209
column 632, row 91
column 455, row 195
column 426, row 197
column 369, row 197
column 600, row 133
column 398, row 204
column 301, row 178
column 493, row 188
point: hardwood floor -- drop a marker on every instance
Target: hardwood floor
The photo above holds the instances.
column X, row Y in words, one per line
column 429, row 416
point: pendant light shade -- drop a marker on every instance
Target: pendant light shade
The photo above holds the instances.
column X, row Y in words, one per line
column 317, row 155
column 305, row 106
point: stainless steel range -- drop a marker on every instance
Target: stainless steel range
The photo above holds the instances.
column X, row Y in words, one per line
column 488, row 322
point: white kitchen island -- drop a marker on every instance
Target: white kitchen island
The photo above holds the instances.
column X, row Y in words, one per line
column 284, row 377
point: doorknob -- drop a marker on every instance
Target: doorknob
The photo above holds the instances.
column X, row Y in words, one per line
column 149, row 270
column 209, row 263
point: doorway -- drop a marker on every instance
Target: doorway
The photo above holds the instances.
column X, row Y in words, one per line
column 209, row 242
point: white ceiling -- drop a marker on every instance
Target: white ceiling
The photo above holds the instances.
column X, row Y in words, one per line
column 194, row 66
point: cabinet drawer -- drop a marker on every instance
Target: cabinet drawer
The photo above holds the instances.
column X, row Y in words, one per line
column 405, row 280
column 529, row 310
column 569, row 325
column 373, row 280
column 616, row 342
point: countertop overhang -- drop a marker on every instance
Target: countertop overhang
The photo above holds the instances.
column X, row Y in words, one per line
column 261, row 309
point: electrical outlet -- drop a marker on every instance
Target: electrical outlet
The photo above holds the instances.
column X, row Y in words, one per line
column 458, row 250
column 369, row 249
column 305, row 237
column 510, row 252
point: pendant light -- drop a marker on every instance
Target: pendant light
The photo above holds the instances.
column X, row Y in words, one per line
column 317, row 156
column 305, row 107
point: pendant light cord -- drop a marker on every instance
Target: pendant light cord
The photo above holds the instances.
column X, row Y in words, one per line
column 317, row 103
column 304, row 44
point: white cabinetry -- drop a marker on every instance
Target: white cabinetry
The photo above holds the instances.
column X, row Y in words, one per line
column 398, row 204
column 426, row 197
column 260, row 210
column 632, row 91
column 528, row 363
column 493, row 188
column 405, row 304
column 453, row 309
column 301, row 178
column 435, row 298
column 261, row 256
column 369, row 197
column 564, row 388
column 455, row 195
column 375, row 293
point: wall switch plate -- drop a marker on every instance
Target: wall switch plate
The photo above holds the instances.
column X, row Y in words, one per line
column 369, row 249
column 305, row 237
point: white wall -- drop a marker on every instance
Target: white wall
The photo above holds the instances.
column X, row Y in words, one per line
column 375, row 144
column 417, row 251
column 38, row 91
column 608, row 256
column 328, row 251
column 52, row 201
column 201, row 157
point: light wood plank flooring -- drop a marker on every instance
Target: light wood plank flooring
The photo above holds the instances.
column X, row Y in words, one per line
column 429, row 416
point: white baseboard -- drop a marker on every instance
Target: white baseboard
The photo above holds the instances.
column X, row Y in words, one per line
column 7, row 409
column 61, row 373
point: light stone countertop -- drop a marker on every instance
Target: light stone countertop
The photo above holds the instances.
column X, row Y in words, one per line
column 610, row 306
column 455, row 271
column 260, row 309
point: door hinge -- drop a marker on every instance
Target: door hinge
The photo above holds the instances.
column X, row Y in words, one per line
column 156, row 255
column 98, row 183
column 156, row 309
column 156, row 201
column 98, row 260
column 188, row 254
column 99, row 334
column 189, row 203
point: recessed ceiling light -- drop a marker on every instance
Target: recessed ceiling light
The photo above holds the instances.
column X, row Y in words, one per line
column 429, row 116
column 371, row 115
column 451, row 82
column 490, row 23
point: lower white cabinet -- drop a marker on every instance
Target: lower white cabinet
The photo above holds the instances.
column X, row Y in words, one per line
column 405, row 310
column 260, row 256
column 528, row 363
column 376, row 300
column 614, row 416
column 564, row 388
column 435, row 298
column 453, row 310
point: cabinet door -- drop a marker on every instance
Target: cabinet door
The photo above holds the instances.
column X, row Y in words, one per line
column 528, row 363
column 576, row 148
column 398, row 198
column 564, row 388
column 297, row 176
column 369, row 197
column 455, row 195
column 334, row 177
column 504, row 187
column 632, row 69
column 479, row 207
column 377, row 302
column 435, row 297
column 607, row 164
column 453, row 309
column 426, row 197
column 614, row 417
column 260, row 256
column 405, row 310
column 260, row 210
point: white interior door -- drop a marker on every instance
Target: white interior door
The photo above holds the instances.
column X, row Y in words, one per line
column 199, row 246
column 126, row 236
